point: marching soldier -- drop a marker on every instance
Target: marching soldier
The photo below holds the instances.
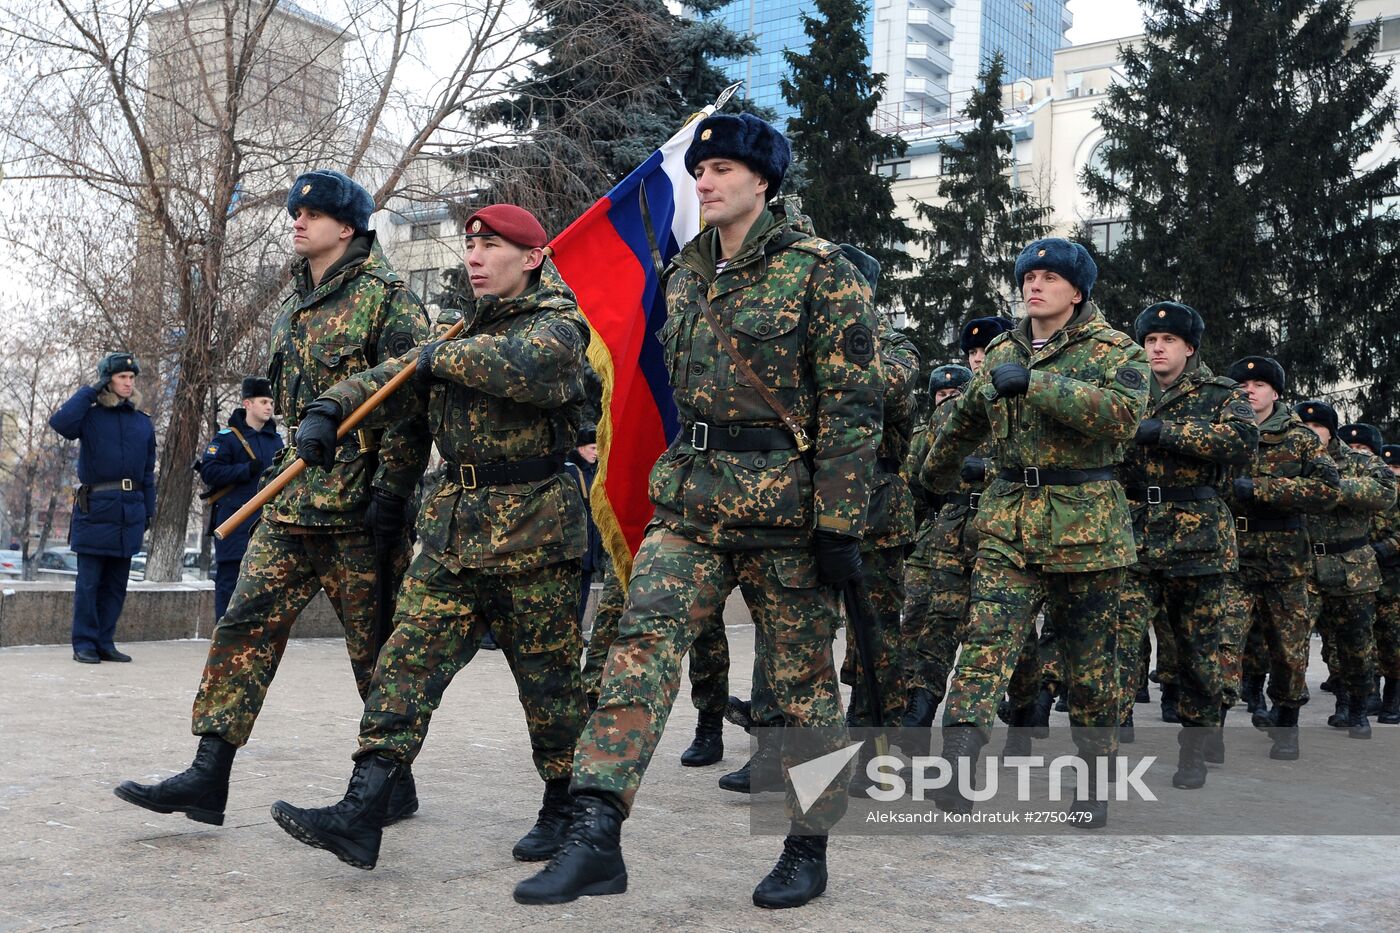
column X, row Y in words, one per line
column 1197, row 426
column 1061, row 396
column 1385, row 541
column 1344, row 565
column 503, row 530
column 348, row 311
column 1291, row 474
column 231, row 466
column 771, row 345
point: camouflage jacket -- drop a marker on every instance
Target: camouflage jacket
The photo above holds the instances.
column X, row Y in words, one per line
column 890, row 517
column 801, row 314
column 360, row 315
column 1367, row 488
column 1292, row 474
column 946, row 540
column 1385, row 528
column 509, row 389
column 1207, row 426
column 1088, row 390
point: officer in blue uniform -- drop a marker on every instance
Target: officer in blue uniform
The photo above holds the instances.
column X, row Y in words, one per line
column 231, row 466
column 115, row 502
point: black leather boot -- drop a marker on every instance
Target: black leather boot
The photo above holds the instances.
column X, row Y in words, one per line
column 1169, row 694
column 351, row 829
column 1261, row 717
column 1373, row 699
column 739, row 712
column 1040, row 713
column 1088, row 811
column 708, row 746
column 1341, row 713
column 200, row 791
column 1018, row 733
column 1284, row 734
column 1358, row 723
column 545, row 837
column 919, row 711
column 1214, row 745
column 1142, row 695
column 962, row 747
column 1390, row 703
column 1252, row 691
column 799, row 876
column 588, row 864
column 1127, row 732
column 1190, row 758
column 403, row 802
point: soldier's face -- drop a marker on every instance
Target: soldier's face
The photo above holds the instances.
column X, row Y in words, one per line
column 258, row 410
column 730, row 192
column 1049, row 294
column 975, row 356
column 1394, row 469
column 315, row 234
column 942, row 395
column 1361, row 448
column 1167, row 355
column 123, row 384
column 499, row 267
column 1262, row 397
column 1323, row 433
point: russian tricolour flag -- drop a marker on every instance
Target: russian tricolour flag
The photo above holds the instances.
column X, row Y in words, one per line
column 612, row 257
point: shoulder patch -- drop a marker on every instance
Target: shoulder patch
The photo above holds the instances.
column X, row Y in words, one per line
column 1242, row 409
column 212, row 449
column 400, row 343
column 858, row 344
column 1130, row 378
column 566, row 332
column 816, row 246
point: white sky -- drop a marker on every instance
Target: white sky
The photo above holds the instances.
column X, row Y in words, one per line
column 1096, row 20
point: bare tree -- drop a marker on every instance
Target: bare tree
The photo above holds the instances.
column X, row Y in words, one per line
column 158, row 143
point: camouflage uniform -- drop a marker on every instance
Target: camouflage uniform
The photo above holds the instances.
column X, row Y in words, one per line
column 889, row 529
column 1043, row 539
column 1292, row 474
column 1385, row 541
column 313, row 535
column 736, row 502
column 1345, row 570
column 1184, row 532
column 502, row 525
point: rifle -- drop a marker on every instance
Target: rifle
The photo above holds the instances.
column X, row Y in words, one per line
column 352, row 421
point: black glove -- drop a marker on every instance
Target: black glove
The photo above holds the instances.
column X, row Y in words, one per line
column 255, row 469
column 1244, row 489
column 385, row 516
column 1149, row 432
column 1385, row 550
column 423, row 377
column 974, row 470
column 1011, row 379
column 315, row 440
column 838, row 558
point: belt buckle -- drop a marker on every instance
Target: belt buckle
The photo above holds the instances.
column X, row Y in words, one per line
column 973, row 499
column 1030, row 477
column 462, row 475
column 700, row 436
column 1241, row 523
column 1319, row 550
column 127, row 485
column 1150, row 491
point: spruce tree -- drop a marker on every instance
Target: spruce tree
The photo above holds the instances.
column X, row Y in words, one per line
column 620, row 78
column 1232, row 149
column 983, row 221
column 836, row 96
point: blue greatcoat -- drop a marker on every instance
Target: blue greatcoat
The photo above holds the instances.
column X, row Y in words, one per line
column 226, row 463
column 116, row 441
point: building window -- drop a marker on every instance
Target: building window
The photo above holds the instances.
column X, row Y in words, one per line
column 424, row 231
column 894, row 170
column 1106, row 235
column 422, row 282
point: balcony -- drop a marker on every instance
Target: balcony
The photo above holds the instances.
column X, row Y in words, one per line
column 928, row 25
column 930, row 57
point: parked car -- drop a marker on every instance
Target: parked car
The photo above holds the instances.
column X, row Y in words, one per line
column 58, row 560
column 189, row 565
column 11, row 564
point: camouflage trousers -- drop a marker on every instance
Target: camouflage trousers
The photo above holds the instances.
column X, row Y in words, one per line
column 883, row 576
column 934, row 642
column 1347, row 623
column 440, row 620
column 918, row 590
column 282, row 571
column 709, row 654
column 1279, row 610
column 1002, row 612
column 1388, row 624
column 1029, row 674
column 1254, row 661
column 1195, row 608
column 678, row 586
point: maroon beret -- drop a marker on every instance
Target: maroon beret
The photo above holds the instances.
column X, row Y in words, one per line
column 508, row 222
